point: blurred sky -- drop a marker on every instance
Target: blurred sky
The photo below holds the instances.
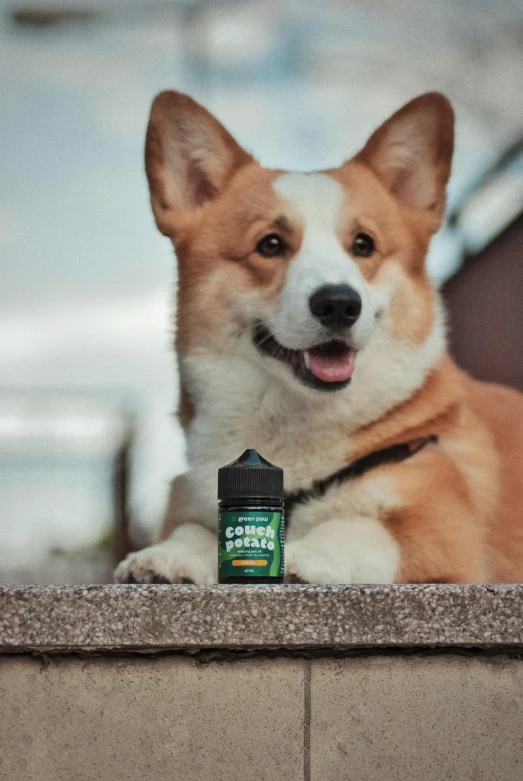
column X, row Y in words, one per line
column 86, row 281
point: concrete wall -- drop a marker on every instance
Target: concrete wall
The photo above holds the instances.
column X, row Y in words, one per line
column 171, row 718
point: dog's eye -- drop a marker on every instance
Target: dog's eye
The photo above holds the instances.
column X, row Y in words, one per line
column 363, row 245
column 270, row 246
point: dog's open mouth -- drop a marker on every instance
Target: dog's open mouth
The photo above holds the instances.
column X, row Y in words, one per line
column 328, row 366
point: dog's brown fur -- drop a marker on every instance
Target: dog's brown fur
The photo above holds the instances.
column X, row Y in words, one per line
column 455, row 515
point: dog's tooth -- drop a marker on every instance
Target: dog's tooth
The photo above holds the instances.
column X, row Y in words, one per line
column 307, row 359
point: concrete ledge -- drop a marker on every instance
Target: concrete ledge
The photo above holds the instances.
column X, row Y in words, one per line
column 293, row 617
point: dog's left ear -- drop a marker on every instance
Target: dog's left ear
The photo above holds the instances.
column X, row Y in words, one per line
column 411, row 152
column 189, row 158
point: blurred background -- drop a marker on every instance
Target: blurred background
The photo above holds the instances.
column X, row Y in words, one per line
column 88, row 443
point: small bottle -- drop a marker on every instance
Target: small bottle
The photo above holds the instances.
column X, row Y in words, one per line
column 251, row 531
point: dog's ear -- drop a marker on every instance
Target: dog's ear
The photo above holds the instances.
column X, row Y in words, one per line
column 411, row 152
column 189, row 158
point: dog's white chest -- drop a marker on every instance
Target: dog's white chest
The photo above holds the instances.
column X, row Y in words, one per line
column 241, row 408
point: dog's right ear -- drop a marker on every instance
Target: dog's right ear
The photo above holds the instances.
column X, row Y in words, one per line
column 189, row 158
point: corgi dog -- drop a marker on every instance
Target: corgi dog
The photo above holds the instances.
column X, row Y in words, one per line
column 308, row 328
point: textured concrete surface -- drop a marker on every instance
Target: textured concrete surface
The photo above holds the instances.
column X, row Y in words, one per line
column 163, row 719
column 103, row 618
column 417, row 719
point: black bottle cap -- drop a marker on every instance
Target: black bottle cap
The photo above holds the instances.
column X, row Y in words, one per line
column 250, row 477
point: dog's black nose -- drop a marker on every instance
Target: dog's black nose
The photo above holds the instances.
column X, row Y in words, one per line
column 336, row 306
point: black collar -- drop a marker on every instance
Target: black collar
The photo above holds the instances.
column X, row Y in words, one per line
column 389, row 455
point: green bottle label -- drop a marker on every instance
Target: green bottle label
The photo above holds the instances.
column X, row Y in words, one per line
column 250, row 544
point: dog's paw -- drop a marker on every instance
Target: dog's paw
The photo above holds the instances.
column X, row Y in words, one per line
column 168, row 562
column 342, row 552
column 303, row 564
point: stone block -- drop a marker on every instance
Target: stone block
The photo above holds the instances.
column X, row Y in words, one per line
column 417, row 718
column 150, row 719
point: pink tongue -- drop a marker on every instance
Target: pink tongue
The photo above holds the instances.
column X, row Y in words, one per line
column 332, row 369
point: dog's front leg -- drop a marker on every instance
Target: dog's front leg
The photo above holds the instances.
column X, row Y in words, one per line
column 359, row 550
column 189, row 555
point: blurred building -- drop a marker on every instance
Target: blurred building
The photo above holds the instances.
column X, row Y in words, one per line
column 484, row 299
column 484, row 295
